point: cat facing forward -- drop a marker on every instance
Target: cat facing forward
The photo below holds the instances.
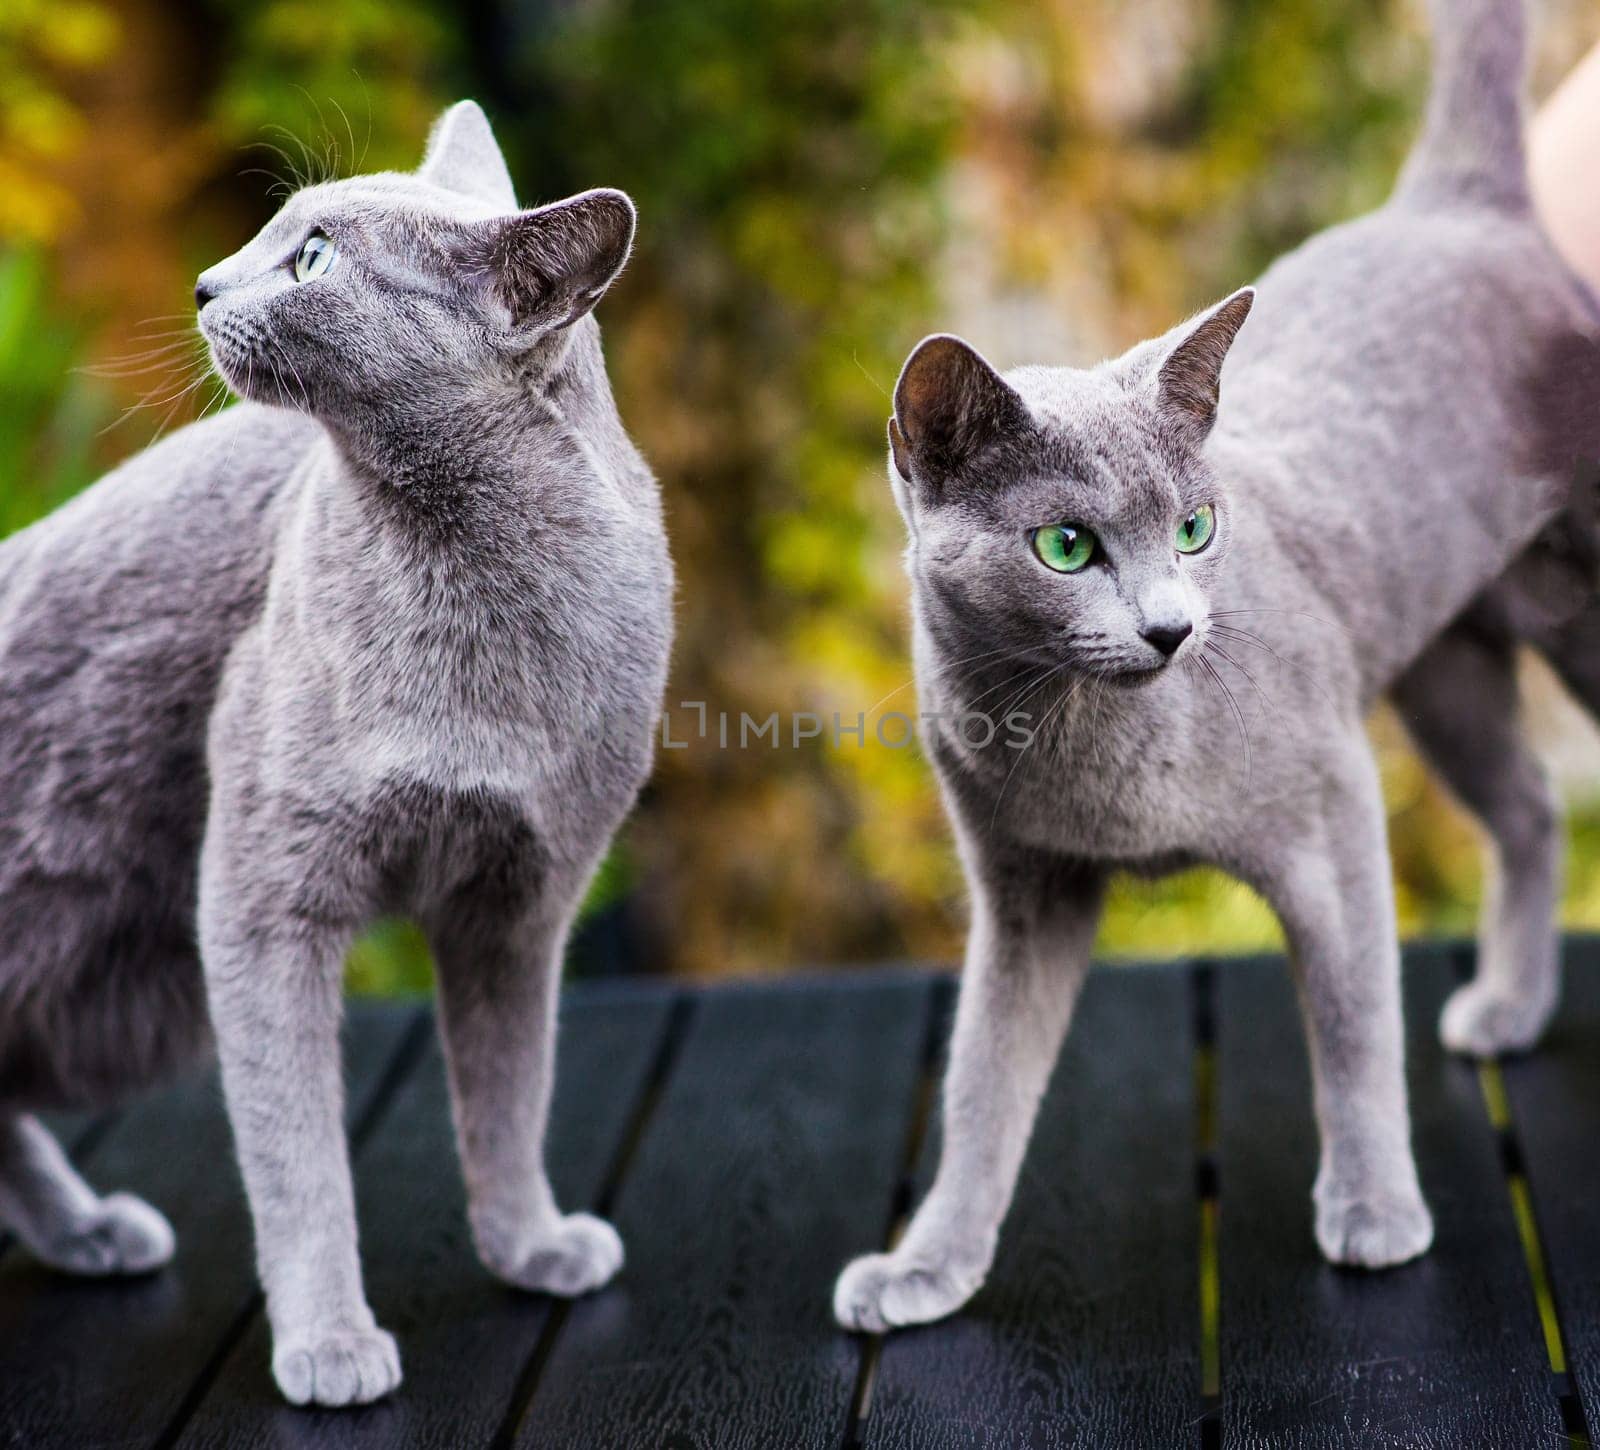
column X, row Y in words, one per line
column 389, row 636
column 1196, row 567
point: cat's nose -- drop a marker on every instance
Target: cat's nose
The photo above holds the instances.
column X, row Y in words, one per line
column 203, row 293
column 1167, row 637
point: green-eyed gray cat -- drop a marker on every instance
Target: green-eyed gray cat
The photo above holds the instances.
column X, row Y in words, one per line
column 1198, row 604
column 388, row 637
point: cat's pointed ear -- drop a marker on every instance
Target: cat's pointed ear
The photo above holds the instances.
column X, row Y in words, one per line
column 1189, row 381
column 543, row 269
column 948, row 404
column 464, row 157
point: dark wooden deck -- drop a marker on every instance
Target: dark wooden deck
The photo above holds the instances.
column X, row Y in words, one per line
column 1157, row 1284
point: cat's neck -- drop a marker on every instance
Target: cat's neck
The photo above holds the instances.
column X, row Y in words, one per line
column 453, row 462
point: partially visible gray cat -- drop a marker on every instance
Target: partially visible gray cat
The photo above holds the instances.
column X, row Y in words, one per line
column 1198, row 608
column 390, row 636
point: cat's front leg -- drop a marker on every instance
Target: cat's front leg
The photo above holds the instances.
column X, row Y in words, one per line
column 499, row 965
column 273, row 965
column 1033, row 924
column 1329, row 880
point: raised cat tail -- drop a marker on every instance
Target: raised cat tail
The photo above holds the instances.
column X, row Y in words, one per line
column 1471, row 146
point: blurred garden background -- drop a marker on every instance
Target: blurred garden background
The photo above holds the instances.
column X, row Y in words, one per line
column 820, row 183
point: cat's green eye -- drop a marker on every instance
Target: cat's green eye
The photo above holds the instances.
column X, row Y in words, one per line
column 315, row 258
column 1194, row 533
column 1066, row 548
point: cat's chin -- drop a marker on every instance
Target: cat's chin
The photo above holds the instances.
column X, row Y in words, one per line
column 242, row 368
column 1137, row 677
column 240, row 380
column 254, row 384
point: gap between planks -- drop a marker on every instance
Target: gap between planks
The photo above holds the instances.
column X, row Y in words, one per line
column 1208, row 1193
column 1499, row 1117
column 1502, row 1123
column 1208, row 1190
column 936, row 1030
column 679, row 1017
column 407, row 1054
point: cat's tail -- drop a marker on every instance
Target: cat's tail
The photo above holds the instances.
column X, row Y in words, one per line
column 1471, row 147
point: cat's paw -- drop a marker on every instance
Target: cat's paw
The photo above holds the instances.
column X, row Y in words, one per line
column 123, row 1236
column 342, row 1367
column 1373, row 1231
column 877, row 1292
column 576, row 1255
column 1481, row 1022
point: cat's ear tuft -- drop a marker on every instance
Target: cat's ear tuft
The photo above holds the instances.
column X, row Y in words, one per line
column 1189, row 382
column 464, row 157
column 544, row 269
column 948, row 404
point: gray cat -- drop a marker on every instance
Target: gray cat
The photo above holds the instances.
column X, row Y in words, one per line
column 1198, row 607
column 390, row 636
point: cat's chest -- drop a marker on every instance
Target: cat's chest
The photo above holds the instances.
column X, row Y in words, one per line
column 1141, row 812
column 473, row 676
column 528, row 695
column 1124, row 790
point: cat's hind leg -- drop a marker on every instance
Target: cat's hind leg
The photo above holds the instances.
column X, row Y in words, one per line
column 62, row 1220
column 1459, row 703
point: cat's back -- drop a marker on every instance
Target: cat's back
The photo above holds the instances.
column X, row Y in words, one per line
column 1386, row 413
column 1403, row 310
column 183, row 512
column 116, row 613
column 117, row 610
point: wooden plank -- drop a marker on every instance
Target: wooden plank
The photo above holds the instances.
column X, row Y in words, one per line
column 1087, row 1333
column 1443, row 1352
column 103, row 1363
column 464, row 1337
column 769, row 1161
column 1555, row 1106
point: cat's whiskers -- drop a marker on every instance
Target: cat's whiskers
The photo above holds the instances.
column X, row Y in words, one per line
column 330, row 145
column 1004, row 684
column 1303, row 613
column 939, row 669
column 281, row 185
column 349, row 131
column 304, row 174
column 155, row 359
column 175, row 399
column 1050, row 714
column 1238, row 715
column 1244, row 636
column 305, row 396
column 1261, row 694
column 216, row 402
column 162, row 347
column 366, row 99
column 286, row 184
column 1029, row 691
column 203, row 373
column 133, row 368
column 227, row 458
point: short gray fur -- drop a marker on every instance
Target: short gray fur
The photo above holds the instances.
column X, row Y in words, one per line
column 389, row 636
column 1399, row 420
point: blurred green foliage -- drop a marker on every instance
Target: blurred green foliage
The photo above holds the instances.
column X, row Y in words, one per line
column 51, row 412
column 820, row 182
column 334, row 88
column 788, row 162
